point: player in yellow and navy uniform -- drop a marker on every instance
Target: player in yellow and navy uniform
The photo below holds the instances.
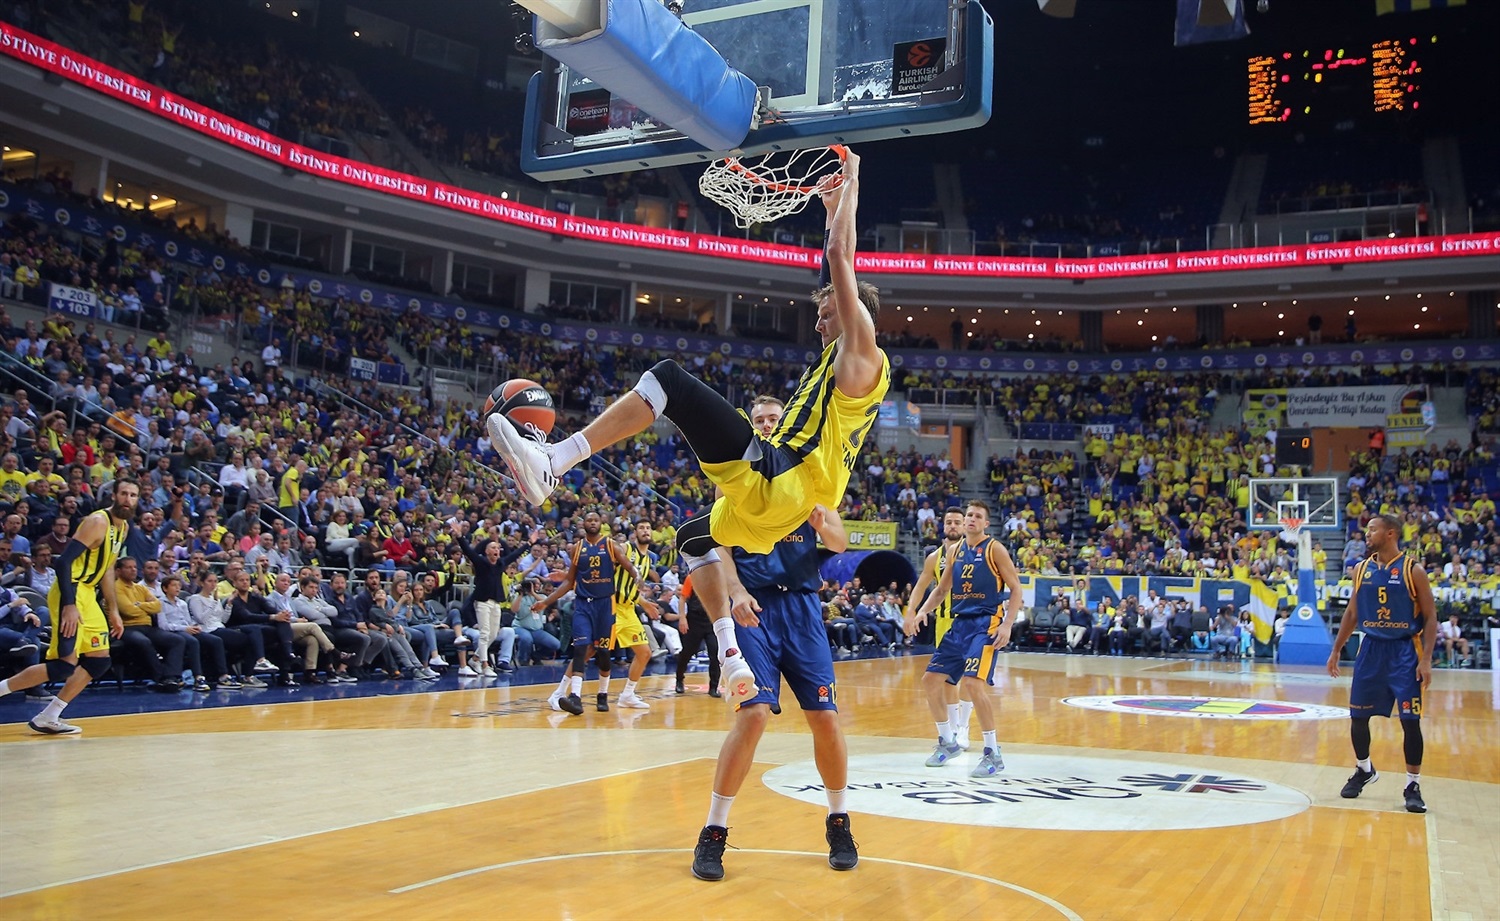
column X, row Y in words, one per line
column 1392, row 605
column 630, row 632
column 83, row 598
column 769, row 485
column 591, row 578
column 979, row 574
column 955, row 697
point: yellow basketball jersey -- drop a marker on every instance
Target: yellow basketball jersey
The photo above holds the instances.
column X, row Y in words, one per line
column 89, row 568
column 825, row 428
column 943, row 613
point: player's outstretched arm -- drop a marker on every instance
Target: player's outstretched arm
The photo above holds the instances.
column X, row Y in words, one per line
column 858, row 365
column 944, row 587
column 565, row 586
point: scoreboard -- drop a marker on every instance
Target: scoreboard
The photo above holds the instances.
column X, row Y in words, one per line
column 1294, row 448
column 1332, row 84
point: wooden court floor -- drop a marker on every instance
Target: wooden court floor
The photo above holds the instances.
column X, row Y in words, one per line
column 484, row 803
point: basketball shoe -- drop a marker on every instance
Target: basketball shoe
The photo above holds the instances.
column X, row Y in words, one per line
column 1357, row 782
column 52, row 726
column 633, row 702
column 843, row 853
column 529, row 460
column 944, row 753
column 989, row 764
column 739, row 680
column 708, row 856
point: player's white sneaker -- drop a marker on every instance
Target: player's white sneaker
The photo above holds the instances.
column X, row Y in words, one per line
column 961, row 736
column 553, row 701
column 529, row 461
column 633, row 701
column 52, row 726
column 739, row 680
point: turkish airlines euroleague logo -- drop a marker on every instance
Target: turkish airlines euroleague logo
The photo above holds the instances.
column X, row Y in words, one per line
column 915, row 63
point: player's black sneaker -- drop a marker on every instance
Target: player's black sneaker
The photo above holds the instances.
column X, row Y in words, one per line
column 572, row 704
column 1357, row 782
column 843, row 853
column 1413, row 795
column 708, row 856
column 601, row 702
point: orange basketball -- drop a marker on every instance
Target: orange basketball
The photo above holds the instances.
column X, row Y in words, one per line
column 525, row 403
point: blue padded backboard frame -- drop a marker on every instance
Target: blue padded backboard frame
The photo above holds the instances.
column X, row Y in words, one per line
column 549, row 154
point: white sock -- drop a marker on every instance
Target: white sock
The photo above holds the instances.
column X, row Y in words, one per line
column 4, row 687
column 563, row 685
column 989, row 741
column 1364, row 765
column 1413, row 778
column 603, row 684
column 945, row 732
column 569, row 453
column 629, row 688
column 836, row 801
column 724, row 633
column 54, row 709
column 575, row 685
column 965, row 707
column 718, row 810
column 955, row 719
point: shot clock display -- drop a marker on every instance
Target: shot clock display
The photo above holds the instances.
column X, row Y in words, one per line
column 1331, row 84
column 1294, row 448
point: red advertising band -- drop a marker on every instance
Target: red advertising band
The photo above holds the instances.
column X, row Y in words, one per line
column 31, row 49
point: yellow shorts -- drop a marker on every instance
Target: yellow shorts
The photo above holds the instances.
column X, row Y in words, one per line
column 628, row 631
column 756, row 511
column 93, row 628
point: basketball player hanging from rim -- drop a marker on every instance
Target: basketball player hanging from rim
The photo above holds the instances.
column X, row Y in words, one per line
column 768, row 486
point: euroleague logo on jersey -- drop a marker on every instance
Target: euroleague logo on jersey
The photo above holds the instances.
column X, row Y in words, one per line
column 1060, row 792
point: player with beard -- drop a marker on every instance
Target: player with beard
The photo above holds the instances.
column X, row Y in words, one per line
column 591, row 576
column 84, row 598
column 955, row 697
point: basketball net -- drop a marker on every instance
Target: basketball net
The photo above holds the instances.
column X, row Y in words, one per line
column 768, row 187
column 1291, row 530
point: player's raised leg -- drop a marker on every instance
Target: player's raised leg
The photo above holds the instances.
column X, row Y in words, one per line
column 712, row 427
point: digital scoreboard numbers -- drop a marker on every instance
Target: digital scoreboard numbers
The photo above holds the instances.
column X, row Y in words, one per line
column 1394, row 74
column 1333, row 84
column 1265, row 102
column 1294, row 448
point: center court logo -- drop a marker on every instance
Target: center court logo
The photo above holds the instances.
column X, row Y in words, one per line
column 1209, row 708
column 1066, row 793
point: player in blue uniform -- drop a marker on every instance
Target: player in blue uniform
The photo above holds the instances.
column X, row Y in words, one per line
column 1392, row 604
column 954, row 697
column 591, row 578
column 780, row 590
column 978, row 572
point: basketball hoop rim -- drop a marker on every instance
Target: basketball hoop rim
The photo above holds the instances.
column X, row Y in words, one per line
column 735, row 165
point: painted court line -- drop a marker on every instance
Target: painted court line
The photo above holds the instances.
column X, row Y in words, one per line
column 1055, row 905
